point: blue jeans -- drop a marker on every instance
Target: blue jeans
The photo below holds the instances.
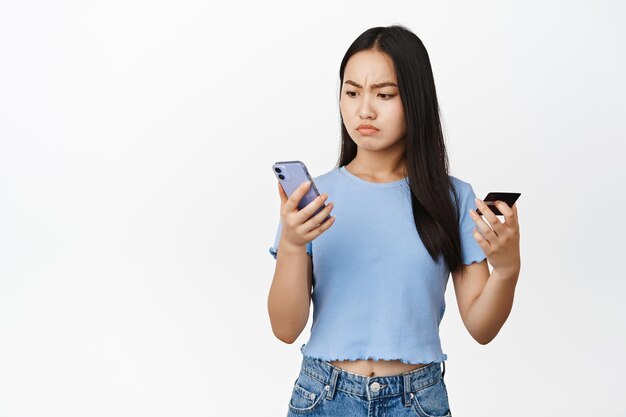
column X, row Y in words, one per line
column 322, row 389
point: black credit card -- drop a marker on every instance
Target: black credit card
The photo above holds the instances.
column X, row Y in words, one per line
column 492, row 197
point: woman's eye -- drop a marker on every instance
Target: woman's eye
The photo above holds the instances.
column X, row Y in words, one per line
column 384, row 96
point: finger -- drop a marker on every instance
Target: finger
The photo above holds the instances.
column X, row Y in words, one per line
column 506, row 211
column 316, row 220
column 296, row 196
column 494, row 222
column 308, row 210
column 482, row 242
column 321, row 228
column 485, row 229
column 282, row 193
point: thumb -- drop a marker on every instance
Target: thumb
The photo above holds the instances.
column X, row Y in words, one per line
column 281, row 192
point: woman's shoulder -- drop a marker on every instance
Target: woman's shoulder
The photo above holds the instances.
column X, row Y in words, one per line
column 457, row 181
column 462, row 188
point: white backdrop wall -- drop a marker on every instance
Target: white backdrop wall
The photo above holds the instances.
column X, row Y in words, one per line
column 137, row 202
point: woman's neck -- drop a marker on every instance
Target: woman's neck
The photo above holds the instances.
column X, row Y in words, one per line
column 376, row 174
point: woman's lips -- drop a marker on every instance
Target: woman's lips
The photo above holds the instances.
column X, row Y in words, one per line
column 367, row 131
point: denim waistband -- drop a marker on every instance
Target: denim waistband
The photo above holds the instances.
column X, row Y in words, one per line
column 371, row 387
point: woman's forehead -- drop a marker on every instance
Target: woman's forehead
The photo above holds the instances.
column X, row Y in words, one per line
column 370, row 67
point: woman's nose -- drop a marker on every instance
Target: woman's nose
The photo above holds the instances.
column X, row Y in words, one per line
column 365, row 110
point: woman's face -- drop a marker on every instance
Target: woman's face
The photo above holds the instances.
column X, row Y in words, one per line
column 369, row 95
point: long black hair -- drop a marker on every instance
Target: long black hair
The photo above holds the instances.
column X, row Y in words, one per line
column 425, row 156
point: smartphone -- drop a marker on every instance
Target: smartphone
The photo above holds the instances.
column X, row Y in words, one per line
column 490, row 199
column 291, row 175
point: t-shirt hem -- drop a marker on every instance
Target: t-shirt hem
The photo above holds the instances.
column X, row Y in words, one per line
column 409, row 361
column 471, row 259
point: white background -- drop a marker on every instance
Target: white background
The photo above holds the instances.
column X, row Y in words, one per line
column 137, row 201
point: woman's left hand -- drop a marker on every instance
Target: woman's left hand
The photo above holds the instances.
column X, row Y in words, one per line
column 501, row 240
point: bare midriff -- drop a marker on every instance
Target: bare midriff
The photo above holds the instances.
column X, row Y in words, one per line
column 372, row 367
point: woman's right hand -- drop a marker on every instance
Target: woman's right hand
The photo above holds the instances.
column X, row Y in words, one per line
column 297, row 228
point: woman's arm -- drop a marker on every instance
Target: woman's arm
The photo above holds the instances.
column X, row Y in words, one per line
column 488, row 298
column 289, row 298
column 488, row 313
column 485, row 300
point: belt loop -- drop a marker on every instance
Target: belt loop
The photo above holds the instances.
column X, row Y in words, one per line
column 407, row 390
column 333, row 383
column 444, row 369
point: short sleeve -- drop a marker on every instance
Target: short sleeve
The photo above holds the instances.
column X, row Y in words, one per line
column 274, row 248
column 470, row 249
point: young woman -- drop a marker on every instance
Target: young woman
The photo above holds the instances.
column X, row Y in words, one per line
column 403, row 224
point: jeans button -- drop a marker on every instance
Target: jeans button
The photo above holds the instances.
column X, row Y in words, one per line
column 375, row 387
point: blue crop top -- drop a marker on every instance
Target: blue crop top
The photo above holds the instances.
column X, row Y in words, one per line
column 377, row 293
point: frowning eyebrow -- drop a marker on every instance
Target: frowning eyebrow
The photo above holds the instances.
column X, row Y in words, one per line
column 372, row 86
